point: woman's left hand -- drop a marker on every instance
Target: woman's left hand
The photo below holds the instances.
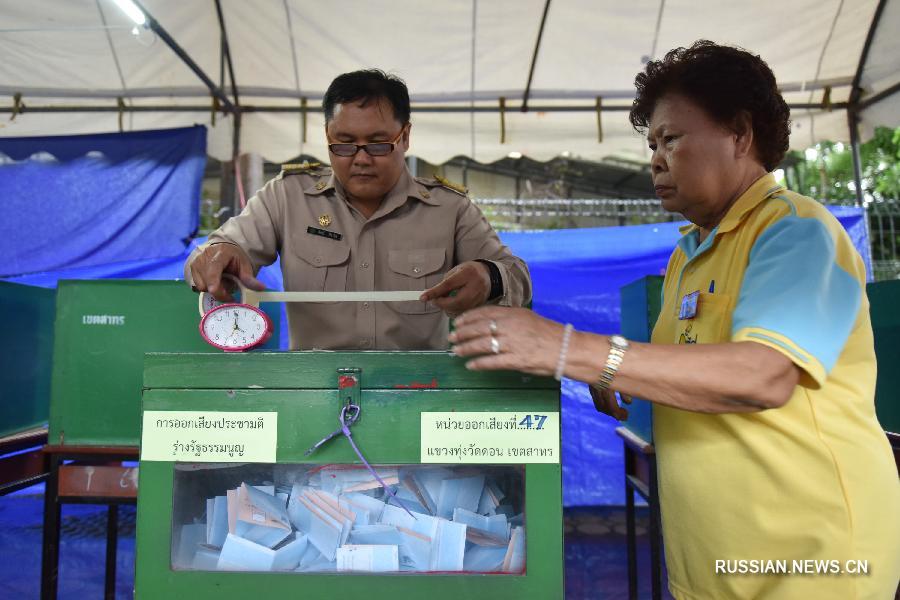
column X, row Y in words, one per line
column 515, row 339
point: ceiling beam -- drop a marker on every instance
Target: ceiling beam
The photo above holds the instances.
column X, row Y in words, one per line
column 186, row 58
column 855, row 89
column 537, row 47
column 246, row 108
column 225, row 45
column 864, row 104
column 853, row 101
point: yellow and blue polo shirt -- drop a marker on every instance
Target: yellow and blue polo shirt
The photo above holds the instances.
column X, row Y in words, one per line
column 812, row 480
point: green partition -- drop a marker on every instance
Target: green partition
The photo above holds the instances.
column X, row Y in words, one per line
column 884, row 298
column 103, row 328
column 302, row 387
column 641, row 303
column 27, row 356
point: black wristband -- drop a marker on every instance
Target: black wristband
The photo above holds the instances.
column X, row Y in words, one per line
column 496, row 279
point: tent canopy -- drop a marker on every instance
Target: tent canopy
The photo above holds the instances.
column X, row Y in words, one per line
column 459, row 58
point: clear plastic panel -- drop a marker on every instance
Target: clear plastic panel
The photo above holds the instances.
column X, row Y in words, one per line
column 328, row 518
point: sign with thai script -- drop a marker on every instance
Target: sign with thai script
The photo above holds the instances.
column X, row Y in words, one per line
column 209, row 436
column 490, row 437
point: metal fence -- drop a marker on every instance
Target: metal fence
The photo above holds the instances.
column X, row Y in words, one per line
column 557, row 213
column 884, row 232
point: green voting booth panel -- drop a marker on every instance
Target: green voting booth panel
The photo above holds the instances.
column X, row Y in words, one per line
column 103, row 329
column 884, row 299
column 641, row 303
column 395, row 390
column 27, row 356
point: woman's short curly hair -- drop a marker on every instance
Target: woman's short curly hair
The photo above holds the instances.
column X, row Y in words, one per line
column 726, row 82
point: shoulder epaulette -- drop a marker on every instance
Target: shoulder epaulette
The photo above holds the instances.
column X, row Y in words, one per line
column 456, row 187
column 312, row 168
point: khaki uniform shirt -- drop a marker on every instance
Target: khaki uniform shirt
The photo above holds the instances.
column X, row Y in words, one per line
column 422, row 229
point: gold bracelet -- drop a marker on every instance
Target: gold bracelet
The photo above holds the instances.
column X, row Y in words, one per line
column 617, row 348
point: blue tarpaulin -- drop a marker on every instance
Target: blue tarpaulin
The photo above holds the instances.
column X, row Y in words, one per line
column 90, row 200
column 577, row 273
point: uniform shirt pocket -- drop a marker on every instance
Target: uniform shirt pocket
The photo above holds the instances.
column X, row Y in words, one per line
column 322, row 267
column 416, row 269
column 712, row 324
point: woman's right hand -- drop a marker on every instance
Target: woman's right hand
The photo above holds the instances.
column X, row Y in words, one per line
column 605, row 402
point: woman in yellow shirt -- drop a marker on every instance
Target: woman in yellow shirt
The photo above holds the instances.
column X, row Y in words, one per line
column 776, row 480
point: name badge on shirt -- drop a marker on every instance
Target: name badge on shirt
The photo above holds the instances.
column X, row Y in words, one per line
column 689, row 306
column 324, row 233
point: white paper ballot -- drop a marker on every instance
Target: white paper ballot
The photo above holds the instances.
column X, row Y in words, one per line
column 261, row 517
column 371, row 559
column 287, row 557
column 189, row 539
column 216, row 521
column 448, row 547
column 514, row 561
column 459, row 492
column 379, row 535
column 239, row 554
column 206, row 559
column 495, row 526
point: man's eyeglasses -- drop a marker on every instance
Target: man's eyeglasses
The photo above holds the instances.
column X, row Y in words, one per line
column 373, row 149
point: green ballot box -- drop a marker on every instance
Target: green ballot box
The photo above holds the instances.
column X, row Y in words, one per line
column 26, row 356
column 448, row 486
column 641, row 303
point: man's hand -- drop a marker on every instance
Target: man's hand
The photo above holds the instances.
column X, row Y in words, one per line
column 208, row 267
column 471, row 282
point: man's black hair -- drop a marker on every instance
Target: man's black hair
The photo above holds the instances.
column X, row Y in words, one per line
column 368, row 85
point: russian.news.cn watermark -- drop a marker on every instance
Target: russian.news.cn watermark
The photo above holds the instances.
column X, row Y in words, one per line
column 752, row 566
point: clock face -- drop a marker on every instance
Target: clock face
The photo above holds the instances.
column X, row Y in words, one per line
column 235, row 327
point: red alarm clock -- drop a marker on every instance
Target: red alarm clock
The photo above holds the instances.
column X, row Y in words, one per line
column 235, row 327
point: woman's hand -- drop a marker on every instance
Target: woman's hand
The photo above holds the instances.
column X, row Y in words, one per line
column 605, row 402
column 507, row 339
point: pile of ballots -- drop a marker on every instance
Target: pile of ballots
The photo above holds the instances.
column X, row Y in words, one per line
column 336, row 518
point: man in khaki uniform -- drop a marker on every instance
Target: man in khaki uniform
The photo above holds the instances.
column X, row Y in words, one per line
column 366, row 224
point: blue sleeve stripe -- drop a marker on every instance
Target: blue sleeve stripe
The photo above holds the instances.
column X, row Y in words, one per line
column 780, row 344
column 794, row 287
column 789, row 202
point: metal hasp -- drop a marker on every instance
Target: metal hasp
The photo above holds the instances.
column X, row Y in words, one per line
column 349, row 384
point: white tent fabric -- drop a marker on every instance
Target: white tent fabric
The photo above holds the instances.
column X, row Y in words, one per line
column 460, row 53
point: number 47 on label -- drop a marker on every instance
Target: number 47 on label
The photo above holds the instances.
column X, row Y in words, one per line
column 533, row 421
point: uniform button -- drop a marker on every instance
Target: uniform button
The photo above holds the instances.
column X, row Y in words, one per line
column 365, row 305
column 320, row 186
column 317, row 259
column 364, row 265
column 415, row 269
column 364, row 343
column 426, row 195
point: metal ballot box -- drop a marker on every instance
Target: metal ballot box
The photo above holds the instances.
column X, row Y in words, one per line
column 467, row 502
